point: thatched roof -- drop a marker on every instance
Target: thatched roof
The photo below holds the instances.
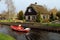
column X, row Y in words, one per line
column 54, row 11
column 39, row 8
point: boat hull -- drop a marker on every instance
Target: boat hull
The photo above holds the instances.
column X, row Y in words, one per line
column 15, row 28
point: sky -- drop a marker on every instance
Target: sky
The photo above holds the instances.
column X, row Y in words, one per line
column 23, row 4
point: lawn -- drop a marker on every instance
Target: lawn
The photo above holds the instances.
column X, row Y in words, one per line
column 6, row 20
column 5, row 37
column 52, row 24
column 12, row 21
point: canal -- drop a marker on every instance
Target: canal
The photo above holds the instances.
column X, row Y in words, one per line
column 33, row 35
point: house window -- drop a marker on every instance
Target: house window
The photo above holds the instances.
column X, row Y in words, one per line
column 33, row 17
column 43, row 17
column 29, row 17
column 29, row 10
column 26, row 17
column 47, row 16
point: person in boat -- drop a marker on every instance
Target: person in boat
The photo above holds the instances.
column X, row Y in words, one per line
column 20, row 27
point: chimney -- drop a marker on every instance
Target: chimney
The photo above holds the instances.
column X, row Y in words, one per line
column 35, row 2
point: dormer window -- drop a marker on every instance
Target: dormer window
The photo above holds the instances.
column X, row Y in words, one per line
column 29, row 10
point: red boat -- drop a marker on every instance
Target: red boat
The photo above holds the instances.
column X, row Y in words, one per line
column 20, row 28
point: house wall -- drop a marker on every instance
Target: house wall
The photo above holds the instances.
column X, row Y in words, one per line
column 32, row 18
column 26, row 17
column 30, row 13
column 44, row 17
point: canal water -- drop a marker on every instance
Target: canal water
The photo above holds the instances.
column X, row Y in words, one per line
column 33, row 35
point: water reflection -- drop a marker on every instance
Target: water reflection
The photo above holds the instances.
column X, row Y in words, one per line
column 17, row 35
column 33, row 35
column 54, row 36
column 43, row 35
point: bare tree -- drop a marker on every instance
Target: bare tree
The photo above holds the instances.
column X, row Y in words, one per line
column 11, row 8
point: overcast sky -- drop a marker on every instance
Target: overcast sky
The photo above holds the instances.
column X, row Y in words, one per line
column 23, row 4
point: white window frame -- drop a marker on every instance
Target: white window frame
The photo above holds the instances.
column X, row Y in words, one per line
column 29, row 10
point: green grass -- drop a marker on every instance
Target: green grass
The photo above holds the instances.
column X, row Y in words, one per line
column 52, row 24
column 6, row 20
column 10, row 20
column 5, row 37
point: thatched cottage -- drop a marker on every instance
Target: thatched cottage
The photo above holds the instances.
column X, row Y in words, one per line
column 33, row 10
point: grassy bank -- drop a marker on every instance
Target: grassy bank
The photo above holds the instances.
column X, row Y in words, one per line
column 5, row 37
column 12, row 20
column 52, row 24
column 6, row 20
